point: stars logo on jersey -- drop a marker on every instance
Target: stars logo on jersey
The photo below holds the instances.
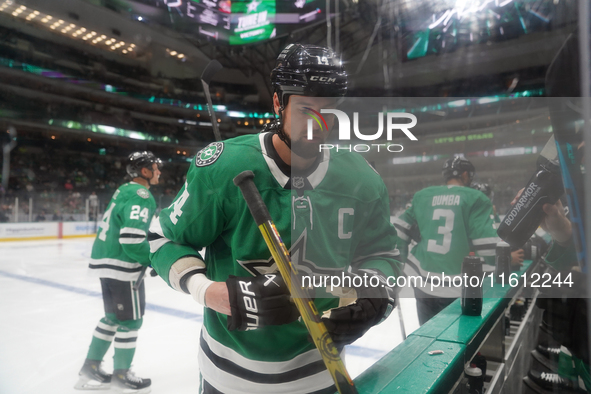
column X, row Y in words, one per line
column 252, row 7
column 298, row 259
column 143, row 193
column 209, row 154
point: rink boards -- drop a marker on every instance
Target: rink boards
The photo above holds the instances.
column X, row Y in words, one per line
column 56, row 285
column 46, row 230
column 456, row 338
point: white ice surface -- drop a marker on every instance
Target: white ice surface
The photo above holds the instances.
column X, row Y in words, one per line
column 50, row 307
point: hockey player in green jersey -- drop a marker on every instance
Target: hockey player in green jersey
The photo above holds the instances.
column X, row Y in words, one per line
column 119, row 252
column 447, row 222
column 332, row 210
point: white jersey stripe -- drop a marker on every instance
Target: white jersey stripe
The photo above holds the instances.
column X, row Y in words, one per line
column 131, row 241
column 118, row 263
column 132, row 230
column 486, row 252
column 403, row 236
column 319, row 173
column 401, row 223
column 265, row 367
column 280, row 177
column 157, row 243
column 439, row 291
column 230, row 384
column 486, row 241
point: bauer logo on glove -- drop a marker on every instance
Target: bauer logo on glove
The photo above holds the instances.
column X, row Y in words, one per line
column 259, row 301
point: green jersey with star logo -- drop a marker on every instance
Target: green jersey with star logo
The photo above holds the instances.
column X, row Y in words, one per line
column 333, row 217
column 209, row 154
column 121, row 247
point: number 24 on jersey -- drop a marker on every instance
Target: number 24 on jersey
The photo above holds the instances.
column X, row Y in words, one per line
column 136, row 213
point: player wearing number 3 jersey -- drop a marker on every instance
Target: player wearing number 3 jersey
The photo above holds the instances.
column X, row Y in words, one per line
column 447, row 222
column 118, row 254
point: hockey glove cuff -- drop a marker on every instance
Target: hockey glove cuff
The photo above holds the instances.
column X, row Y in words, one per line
column 259, row 301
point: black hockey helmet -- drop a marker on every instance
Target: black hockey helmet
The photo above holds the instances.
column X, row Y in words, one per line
column 456, row 166
column 138, row 160
column 485, row 188
column 308, row 70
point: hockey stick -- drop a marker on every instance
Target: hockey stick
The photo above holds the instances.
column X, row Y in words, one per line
column 401, row 319
column 140, row 278
column 210, row 70
column 306, row 307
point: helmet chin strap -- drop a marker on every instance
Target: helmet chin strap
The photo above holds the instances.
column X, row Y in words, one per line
column 279, row 129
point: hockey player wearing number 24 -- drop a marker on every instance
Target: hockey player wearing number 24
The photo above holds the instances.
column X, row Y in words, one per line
column 332, row 210
column 118, row 254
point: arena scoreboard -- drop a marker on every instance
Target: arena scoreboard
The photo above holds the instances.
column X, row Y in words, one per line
column 239, row 22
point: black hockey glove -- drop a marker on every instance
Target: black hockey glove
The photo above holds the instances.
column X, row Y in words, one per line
column 259, row 301
column 373, row 305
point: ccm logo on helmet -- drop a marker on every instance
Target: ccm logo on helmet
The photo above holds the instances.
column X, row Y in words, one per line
column 322, row 79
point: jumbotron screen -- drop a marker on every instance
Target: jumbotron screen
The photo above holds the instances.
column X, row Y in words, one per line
column 239, row 22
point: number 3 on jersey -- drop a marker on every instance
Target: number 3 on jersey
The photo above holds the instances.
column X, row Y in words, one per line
column 445, row 230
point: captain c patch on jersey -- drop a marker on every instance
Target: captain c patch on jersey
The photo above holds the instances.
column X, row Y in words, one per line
column 209, row 154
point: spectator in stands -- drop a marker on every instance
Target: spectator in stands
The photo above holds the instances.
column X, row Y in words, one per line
column 30, row 189
column 57, row 216
column 40, row 217
column 3, row 213
column 93, row 202
column 25, row 207
column 68, row 185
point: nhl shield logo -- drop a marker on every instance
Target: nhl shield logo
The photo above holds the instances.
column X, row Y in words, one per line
column 298, row 182
column 209, row 154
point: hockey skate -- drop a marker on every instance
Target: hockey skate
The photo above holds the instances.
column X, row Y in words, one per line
column 553, row 382
column 92, row 377
column 125, row 381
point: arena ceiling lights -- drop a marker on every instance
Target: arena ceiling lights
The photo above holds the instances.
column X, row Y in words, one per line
column 71, row 30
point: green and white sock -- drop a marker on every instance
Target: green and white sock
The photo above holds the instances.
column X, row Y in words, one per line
column 125, row 341
column 101, row 339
